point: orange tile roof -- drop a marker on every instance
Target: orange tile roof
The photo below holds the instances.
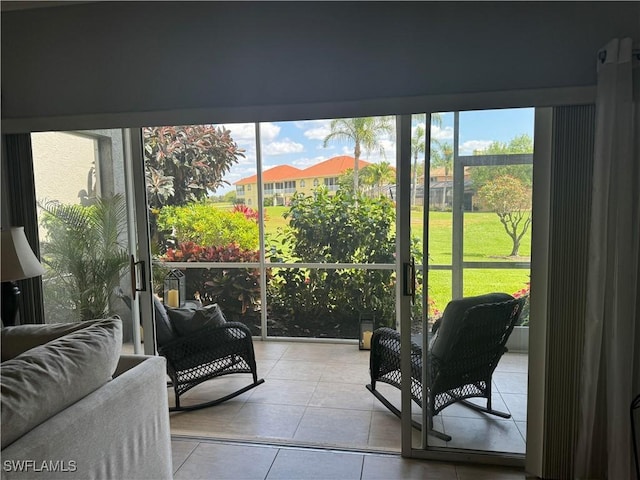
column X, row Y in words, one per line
column 278, row 173
column 329, row 168
column 333, row 167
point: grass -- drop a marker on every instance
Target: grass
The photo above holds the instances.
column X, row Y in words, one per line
column 484, row 240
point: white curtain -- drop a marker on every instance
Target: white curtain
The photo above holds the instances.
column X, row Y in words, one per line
column 611, row 362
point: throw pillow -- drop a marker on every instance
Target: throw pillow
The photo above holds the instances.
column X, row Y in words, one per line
column 188, row 321
column 45, row 380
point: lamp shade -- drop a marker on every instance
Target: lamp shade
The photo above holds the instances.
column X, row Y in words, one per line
column 18, row 260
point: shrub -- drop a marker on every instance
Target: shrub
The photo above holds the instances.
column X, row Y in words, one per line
column 205, row 224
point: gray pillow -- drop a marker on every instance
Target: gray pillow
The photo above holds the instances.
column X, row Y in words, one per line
column 46, row 379
column 188, row 321
column 20, row 338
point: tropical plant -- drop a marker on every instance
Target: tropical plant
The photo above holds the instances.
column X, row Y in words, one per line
column 85, row 254
column 236, row 290
column 186, row 163
column 377, row 175
column 365, row 133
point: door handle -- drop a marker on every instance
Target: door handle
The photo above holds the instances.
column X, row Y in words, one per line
column 409, row 286
column 135, row 268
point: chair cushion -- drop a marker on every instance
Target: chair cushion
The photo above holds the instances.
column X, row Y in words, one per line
column 164, row 330
column 46, row 379
column 187, row 321
column 452, row 320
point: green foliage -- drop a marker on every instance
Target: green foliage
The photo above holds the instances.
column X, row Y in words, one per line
column 184, row 163
column 339, row 228
column 85, row 255
column 520, row 144
column 236, row 290
column 206, row 224
column 378, row 175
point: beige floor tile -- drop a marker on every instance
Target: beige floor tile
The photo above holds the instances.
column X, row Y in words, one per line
column 460, row 410
column 220, row 462
column 522, row 427
column 514, row 362
column 261, row 421
column 269, row 350
column 283, row 392
column 296, row 464
column 509, row 382
column 487, row 434
column 469, row 472
column 297, row 370
column 346, row 373
column 517, row 405
column 334, row 427
column 207, row 422
column 180, row 451
column 342, row 395
column 378, row 467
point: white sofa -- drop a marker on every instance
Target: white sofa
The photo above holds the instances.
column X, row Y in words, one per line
column 116, row 428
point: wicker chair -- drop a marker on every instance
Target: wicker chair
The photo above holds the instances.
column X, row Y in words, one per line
column 465, row 349
column 196, row 353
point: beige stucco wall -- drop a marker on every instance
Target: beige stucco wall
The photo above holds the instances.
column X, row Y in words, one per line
column 61, row 163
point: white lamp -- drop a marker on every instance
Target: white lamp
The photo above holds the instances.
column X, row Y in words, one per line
column 17, row 263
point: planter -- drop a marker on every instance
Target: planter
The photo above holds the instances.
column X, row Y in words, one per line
column 518, row 341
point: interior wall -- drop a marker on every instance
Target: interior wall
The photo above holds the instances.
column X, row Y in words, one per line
column 114, row 57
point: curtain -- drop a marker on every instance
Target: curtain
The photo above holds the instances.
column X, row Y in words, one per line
column 610, row 376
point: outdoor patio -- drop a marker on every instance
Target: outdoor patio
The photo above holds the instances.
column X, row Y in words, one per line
column 314, row 395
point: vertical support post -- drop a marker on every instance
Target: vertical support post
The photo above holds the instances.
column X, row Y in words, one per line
column 457, row 213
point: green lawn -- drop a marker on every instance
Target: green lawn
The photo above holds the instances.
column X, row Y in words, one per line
column 484, row 240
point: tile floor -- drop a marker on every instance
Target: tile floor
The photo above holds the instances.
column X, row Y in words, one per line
column 314, row 395
column 205, row 459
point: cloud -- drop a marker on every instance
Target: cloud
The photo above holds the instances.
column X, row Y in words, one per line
column 439, row 133
column 467, row 148
column 282, row 148
column 318, row 131
column 307, row 162
column 246, row 132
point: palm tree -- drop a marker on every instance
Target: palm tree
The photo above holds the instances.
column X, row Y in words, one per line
column 365, row 133
column 377, row 174
column 418, row 146
column 443, row 157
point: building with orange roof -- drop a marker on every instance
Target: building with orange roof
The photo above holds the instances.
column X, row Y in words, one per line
column 282, row 181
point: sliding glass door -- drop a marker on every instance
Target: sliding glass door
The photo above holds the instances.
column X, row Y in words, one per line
column 93, row 229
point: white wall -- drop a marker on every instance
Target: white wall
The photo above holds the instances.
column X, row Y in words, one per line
column 110, row 58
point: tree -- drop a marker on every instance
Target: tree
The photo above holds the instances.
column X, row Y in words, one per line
column 510, row 198
column 418, row 146
column 377, row 174
column 520, row 144
column 184, row 163
column 442, row 157
column 365, row 134
column 507, row 189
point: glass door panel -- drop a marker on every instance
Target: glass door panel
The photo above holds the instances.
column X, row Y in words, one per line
column 84, row 189
column 479, row 189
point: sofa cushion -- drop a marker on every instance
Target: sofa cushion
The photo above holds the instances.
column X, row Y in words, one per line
column 187, row 321
column 46, row 379
column 452, row 320
column 20, row 338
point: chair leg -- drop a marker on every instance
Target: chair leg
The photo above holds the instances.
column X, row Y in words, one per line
column 188, row 408
column 487, row 409
column 397, row 413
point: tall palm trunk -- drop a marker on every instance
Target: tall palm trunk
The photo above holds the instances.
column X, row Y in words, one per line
column 356, row 155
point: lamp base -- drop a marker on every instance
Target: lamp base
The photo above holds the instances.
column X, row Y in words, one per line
column 10, row 299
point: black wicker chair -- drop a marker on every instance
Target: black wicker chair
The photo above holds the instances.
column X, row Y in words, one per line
column 463, row 354
column 196, row 353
